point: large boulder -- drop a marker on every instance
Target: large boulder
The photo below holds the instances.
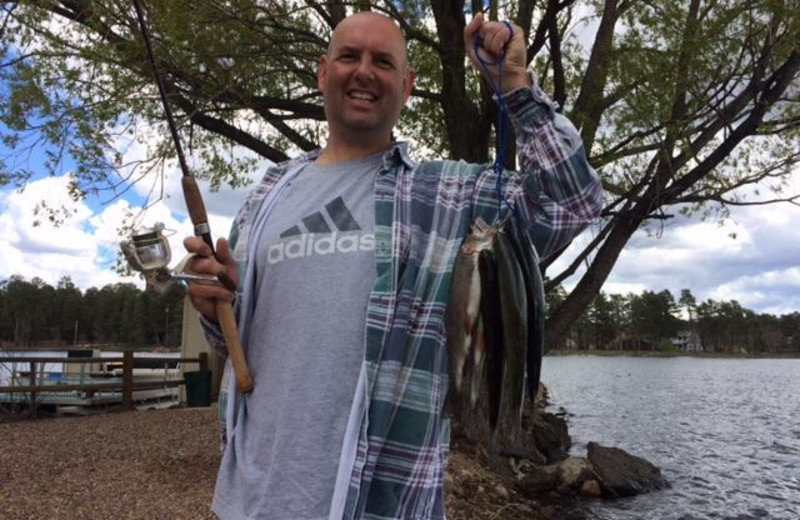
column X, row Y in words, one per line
column 622, row 474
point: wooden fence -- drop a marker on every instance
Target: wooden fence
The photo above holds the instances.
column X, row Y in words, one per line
column 127, row 385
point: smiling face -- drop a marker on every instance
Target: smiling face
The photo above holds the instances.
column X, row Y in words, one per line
column 365, row 79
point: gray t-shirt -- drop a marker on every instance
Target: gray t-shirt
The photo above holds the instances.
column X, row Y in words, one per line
column 315, row 268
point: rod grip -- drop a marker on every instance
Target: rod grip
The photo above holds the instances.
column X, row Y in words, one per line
column 194, row 202
column 227, row 321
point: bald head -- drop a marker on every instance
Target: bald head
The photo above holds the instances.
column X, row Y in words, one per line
column 390, row 30
column 365, row 80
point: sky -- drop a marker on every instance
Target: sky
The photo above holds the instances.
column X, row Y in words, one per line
column 758, row 268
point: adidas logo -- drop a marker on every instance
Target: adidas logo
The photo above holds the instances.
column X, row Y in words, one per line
column 305, row 241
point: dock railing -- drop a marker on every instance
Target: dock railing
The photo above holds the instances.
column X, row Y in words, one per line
column 127, row 385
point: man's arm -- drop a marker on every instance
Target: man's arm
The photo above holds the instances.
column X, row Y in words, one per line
column 556, row 193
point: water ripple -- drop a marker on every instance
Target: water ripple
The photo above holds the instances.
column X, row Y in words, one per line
column 725, row 432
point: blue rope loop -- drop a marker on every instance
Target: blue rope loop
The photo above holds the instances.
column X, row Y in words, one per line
column 498, row 166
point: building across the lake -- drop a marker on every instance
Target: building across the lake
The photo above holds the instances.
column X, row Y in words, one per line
column 688, row 341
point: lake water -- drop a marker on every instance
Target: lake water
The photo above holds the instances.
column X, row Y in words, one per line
column 725, row 432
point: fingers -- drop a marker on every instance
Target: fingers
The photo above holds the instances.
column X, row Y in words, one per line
column 224, row 252
column 204, row 294
column 472, row 28
column 208, row 291
column 496, row 40
column 197, row 246
column 494, row 36
column 205, row 262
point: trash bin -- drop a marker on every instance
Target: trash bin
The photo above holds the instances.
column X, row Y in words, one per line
column 198, row 388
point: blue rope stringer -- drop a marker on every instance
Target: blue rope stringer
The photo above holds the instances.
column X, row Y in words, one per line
column 502, row 133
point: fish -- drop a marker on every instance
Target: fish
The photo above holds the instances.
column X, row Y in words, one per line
column 493, row 337
column 514, row 312
column 463, row 308
column 534, row 290
column 495, row 323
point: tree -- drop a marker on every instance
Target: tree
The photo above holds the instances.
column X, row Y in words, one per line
column 601, row 316
column 790, row 331
column 31, row 312
column 21, row 299
column 683, row 106
column 89, row 329
column 688, row 302
column 620, row 316
column 653, row 316
column 67, row 306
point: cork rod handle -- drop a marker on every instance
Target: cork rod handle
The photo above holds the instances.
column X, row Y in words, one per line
column 227, row 321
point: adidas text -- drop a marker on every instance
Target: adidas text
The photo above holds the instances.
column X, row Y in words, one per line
column 311, row 244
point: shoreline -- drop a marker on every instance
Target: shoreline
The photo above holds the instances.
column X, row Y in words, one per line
column 140, row 465
column 651, row 353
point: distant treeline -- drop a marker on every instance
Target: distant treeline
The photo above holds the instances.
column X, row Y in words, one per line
column 656, row 321
column 34, row 313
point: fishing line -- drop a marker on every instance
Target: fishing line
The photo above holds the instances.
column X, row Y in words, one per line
column 502, row 111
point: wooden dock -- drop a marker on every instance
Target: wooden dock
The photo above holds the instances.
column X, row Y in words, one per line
column 128, row 381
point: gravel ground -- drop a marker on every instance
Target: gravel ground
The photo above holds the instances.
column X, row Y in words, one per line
column 162, row 464
column 132, row 465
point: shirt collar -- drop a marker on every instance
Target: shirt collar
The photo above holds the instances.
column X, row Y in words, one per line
column 394, row 156
column 397, row 154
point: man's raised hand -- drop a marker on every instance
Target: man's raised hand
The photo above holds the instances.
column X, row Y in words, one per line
column 495, row 37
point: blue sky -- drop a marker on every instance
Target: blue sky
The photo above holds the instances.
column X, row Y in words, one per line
column 759, row 268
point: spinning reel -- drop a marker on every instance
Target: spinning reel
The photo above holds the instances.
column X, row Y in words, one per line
column 149, row 253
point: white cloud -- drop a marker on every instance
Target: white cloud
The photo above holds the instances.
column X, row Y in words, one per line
column 45, row 251
column 84, row 246
column 760, row 267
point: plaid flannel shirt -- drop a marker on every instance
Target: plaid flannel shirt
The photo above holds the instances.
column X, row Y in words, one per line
column 422, row 213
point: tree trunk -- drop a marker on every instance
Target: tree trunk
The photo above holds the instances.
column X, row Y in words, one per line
column 467, row 128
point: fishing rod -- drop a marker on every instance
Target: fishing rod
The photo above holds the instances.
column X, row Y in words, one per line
column 199, row 218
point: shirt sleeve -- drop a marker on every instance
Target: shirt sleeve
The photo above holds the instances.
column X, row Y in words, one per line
column 561, row 193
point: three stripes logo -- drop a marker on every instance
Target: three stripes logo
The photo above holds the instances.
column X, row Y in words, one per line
column 318, row 235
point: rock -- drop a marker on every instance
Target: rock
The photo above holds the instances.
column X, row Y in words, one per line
column 501, row 491
column 564, row 478
column 541, row 480
column 574, row 472
column 591, row 488
column 622, row 474
column 551, row 436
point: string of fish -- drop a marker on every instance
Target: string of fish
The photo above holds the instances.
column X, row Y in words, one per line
column 495, row 314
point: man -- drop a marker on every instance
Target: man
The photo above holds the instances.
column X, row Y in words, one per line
column 345, row 256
